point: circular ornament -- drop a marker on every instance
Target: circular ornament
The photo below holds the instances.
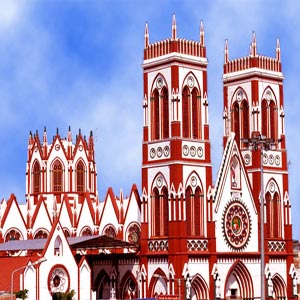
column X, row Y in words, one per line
column 200, row 151
column 159, row 82
column 265, row 158
column 152, row 152
column 193, row 151
column 159, row 151
column 159, row 181
column 185, row 150
column 166, row 151
column 239, row 95
column 247, row 159
column 272, row 187
column 193, row 181
column 190, row 81
column 236, row 225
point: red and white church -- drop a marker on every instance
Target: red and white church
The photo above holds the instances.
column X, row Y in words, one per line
column 182, row 236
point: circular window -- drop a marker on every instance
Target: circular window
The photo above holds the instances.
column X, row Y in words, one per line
column 236, row 225
column 58, row 279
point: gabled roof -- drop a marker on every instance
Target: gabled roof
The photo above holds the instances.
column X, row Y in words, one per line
column 77, row 243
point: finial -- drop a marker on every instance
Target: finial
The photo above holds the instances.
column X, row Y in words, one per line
column 202, row 33
column 226, row 56
column 146, row 36
column 45, row 135
column 253, row 48
column 278, row 56
column 174, row 29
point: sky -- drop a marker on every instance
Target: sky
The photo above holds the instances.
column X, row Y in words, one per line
column 79, row 63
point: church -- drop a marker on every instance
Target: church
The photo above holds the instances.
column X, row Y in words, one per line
column 181, row 236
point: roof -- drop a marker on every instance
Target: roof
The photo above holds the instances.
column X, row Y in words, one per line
column 77, row 243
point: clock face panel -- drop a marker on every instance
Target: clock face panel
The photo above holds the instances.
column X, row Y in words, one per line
column 236, row 225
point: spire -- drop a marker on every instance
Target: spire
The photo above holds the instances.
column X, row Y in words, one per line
column 30, row 141
column 226, row 57
column 146, row 36
column 278, row 56
column 45, row 136
column 202, row 33
column 69, row 134
column 174, row 29
column 253, row 44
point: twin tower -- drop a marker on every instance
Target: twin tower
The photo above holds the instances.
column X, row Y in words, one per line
column 211, row 234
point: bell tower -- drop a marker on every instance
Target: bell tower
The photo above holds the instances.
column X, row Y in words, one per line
column 176, row 165
column 254, row 111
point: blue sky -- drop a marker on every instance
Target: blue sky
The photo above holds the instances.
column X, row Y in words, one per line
column 78, row 63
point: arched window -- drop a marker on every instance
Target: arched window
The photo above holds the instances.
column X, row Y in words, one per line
column 58, row 246
column 235, row 117
column 245, row 119
column 188, row 200
column 156, row 202
column 274, row 215
column 80, row 177
column 36, row 177
column 86, row 231
column 41, row 234
column 160, row 214
column 155, row 116
column 264, row 118
column 165, row 113
column 273, row 120
column 195, row 114
column 186, row 113
column 57, row 176
column 194, row 213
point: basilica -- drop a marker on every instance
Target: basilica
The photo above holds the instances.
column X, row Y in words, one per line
column 181, row 236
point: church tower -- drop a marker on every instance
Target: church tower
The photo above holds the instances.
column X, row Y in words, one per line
column 176, row 223
column 254, row 111
column 60, row 170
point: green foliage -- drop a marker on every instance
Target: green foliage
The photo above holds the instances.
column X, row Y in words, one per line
column 22, row 294
column 63, row 296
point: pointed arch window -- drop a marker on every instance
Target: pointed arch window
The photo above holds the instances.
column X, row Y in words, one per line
column 165, row 113
column 195, row 114
column 80, row 177
column 57, row 176
column 274, row 221
column 235, row 117
column 273, row 120
column 155, row 115
column 36, row 177
column 194, row 212
column 160, row 213
column 186, row 112
column 264, row 118
column 58, row 246
column 269, row 116
column 245, row 120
